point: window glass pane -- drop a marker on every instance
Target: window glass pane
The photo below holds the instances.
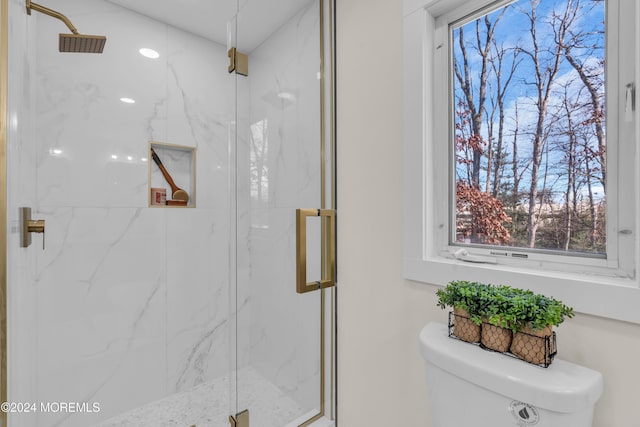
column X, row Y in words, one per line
column 528, row 108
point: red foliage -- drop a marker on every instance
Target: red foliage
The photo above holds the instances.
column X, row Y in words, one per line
column 463, row 125
column 596, row 117
column 487, row 216
column 476, row 143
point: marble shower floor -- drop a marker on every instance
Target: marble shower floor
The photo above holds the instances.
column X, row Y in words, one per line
column 207, row 405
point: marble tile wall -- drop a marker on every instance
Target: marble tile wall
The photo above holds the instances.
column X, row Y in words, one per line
column 21, row 191
column 126, row 304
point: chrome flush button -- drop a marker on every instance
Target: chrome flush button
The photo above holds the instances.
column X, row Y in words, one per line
column 525, row 414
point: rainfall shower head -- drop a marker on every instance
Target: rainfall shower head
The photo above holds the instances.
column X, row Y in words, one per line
column 71, row 42
column 81, row 43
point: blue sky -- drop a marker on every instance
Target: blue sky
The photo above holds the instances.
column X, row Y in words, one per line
column 513, row 30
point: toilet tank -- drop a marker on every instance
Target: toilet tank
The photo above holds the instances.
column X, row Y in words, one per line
column 471, row 386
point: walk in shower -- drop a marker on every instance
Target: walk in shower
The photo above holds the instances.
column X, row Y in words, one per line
column 210, row 312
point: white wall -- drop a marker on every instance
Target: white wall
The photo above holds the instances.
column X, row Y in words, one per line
column 381, row 374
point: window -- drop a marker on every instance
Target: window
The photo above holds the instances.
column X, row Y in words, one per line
column 529, row 134
column 512, row 135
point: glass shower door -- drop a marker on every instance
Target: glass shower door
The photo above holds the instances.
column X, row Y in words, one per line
column 285, row 223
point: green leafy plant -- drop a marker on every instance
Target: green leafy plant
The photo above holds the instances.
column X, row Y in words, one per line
column 504, row 306
column 544, row 311
column 500, row 310
column 468, row 296
column 515, row 309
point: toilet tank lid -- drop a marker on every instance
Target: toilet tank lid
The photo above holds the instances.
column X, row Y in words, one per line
column 562, row 387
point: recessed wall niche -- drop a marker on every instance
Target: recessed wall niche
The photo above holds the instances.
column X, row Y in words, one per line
column 172, row 175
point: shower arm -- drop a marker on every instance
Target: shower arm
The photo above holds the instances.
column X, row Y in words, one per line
column 51, row 13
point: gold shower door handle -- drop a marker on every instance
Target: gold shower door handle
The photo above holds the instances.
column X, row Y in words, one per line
column 328, row 249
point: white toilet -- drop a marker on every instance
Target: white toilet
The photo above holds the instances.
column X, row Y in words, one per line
column 469, row 386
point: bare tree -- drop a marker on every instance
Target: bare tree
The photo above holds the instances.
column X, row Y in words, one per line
column 570, row 195
column 483, row 42
column 546, row 64
column 464, row 133
column 591, row 76
column 502, row 88
column 514, row 167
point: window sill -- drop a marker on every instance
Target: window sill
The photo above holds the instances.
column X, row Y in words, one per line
column 613, row 298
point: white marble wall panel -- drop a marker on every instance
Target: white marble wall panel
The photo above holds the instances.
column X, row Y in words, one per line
column 285, row 332
column 197, row 290
column 21, row 191
column 285, row 91
column 93, row 147
column 200, row 108
column 101, row 310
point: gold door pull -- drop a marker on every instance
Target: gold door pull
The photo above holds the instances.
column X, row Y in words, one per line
column 28, row 226
column 328, row 250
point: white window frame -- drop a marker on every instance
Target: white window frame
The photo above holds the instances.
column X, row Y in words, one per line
column 608, row 288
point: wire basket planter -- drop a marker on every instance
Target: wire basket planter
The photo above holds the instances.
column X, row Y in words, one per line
column 528, row 347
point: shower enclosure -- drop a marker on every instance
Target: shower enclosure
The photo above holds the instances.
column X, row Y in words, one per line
column 124, row 312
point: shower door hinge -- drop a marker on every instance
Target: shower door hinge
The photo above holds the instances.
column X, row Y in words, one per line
column 240, row 420
column 238, row 62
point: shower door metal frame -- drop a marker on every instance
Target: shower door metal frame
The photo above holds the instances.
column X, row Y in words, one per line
column 327, row 214
column 4, row 10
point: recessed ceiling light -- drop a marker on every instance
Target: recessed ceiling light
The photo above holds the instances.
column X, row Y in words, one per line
column 149, row 53
column 128, row 100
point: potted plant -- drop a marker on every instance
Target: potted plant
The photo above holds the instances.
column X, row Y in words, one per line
column 466, row 299
column 498, row 320
column 537, row 316
column 505, row 319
